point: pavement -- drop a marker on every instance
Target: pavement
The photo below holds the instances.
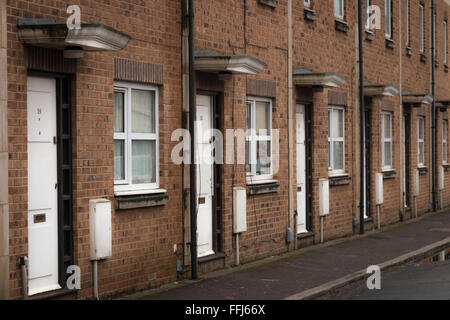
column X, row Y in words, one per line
column 313, row 269
column 411, row 281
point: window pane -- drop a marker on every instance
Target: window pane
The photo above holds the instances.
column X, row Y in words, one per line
column 119, row 111
column 338, row 156
column 119, row 163
column 445, row 152
column 329, row 154
column 338, row 4
column 247, row 157
column 249, row 115
column 420, row 128
column 263, row 157
column 143, row 161
column 421, row 156
column 387, row 11
column 387, row 126
column 387, row 154
column 330, row 113
column 338, row 123
column 262, row 118
column 143, row 111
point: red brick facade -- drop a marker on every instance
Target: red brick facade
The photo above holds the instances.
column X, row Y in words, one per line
column 143, row 239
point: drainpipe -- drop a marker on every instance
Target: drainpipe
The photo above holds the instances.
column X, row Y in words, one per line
column 192, row 183
column 400, row 86
column 4, row 208
column 292, row 221
column 23, row 263
column 361, row 120
column 433, row 107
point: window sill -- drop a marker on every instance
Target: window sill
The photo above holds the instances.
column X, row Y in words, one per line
column 368, row 219
column 422, row 170
column 408, row 51
column 339, row 179
column 423, row 58
column 446, row 167
column 270, row 3
column 445, row 67
column 262, row 187
column 141, row 201
column 309, row 14
column 341, row 25
column 370, row 36
column 251, row 182
column 389, row 173
column 121, row 193
column 390, row 44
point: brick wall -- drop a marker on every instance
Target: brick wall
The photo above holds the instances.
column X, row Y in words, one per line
column 143, row 238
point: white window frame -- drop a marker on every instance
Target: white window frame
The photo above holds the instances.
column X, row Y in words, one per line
column 421, row 26
column 253, row 139
column 331, row 169
column 307, row 3
column 388, row 18
column 339, row 15
column 407, row 23
column 385, row 139
column 420, row 140
column 444, row 141
column 445, row 42
column 128, row 136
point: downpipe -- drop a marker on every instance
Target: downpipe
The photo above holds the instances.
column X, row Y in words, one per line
column 23, row 263
column 95, row 279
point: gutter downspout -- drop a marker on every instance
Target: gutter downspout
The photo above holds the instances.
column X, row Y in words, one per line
column 291, row 221
column 4, row 207
column 361, row 120
column 400, row 86
column 433, row 107
column 192, row 183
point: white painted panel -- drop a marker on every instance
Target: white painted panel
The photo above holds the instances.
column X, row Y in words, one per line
column 379, row 188
column 100, row 229
column 239, row 209
column 204, row 176
column 324, row 197
column 42, row 186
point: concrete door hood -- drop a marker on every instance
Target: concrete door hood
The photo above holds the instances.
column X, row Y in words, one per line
column 54, row 34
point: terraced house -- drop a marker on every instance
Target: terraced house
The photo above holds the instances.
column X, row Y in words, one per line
column 91, row 93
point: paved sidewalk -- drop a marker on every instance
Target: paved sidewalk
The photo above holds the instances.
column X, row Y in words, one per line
column 297, row 273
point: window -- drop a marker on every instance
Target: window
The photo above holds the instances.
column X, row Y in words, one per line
column 259, row 138
column 407, row 23
column 421, row 24
column 339, row 9
column 444, row 141
column 445, row 42
column 307, row 3
column 336, row 155
column 367, row 14
column 386, row 140
column 388, row 16
column 136, row 164
column 420, row 141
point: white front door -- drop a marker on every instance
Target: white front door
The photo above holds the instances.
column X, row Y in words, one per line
column 42, row 186
column 205, row 176
column 301, row 169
